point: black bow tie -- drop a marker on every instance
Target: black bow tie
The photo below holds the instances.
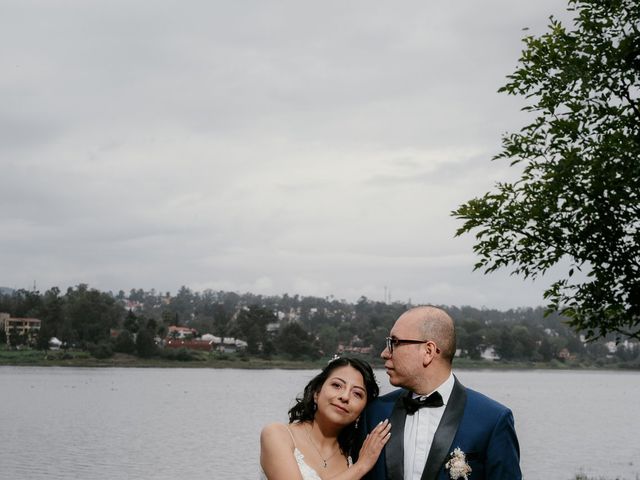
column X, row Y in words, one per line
column 413, row 404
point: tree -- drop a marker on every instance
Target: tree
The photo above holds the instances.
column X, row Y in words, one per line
column 545, row 349
column 51, row 314
column 124, row 343
column 145, row 343
column 328, row 339
column 89, row 315
column 294, row 341
column 15, row 337
column 469, row 338
column 576, row 205
column 131, row 323
column 169, row 318
column 182, row 304
column 505, row 346
column 251, row 325
column 152, row 325
column 220, row 320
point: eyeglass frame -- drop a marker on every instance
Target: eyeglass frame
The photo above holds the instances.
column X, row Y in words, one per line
column 391, row 341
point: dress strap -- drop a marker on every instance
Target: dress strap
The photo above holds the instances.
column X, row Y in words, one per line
column 293, row 439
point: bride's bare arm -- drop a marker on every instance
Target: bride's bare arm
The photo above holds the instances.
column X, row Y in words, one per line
column 276, row 453
column 369, row 453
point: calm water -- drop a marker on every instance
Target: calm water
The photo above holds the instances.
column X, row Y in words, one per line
column 197, row 424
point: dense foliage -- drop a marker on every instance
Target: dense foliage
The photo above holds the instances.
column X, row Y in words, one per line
column 577, row 201
column 293, row 327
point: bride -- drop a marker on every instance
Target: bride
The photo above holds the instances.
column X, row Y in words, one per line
column 317, row 443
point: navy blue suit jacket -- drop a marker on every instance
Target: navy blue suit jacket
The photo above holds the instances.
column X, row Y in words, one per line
column 481, row 427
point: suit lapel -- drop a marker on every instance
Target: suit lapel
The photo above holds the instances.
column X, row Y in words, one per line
column 445, row 432
column 394, row 450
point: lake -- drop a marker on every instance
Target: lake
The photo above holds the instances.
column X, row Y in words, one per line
column 197, row 424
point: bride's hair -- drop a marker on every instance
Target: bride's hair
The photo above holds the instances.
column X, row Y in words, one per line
column 305, row 408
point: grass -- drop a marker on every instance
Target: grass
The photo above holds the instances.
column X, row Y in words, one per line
column 198, row 359
column 192, row 359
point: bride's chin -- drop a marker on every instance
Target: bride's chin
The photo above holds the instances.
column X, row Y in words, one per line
column 335, row 421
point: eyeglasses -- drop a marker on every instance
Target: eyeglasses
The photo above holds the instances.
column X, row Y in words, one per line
column 393, row 342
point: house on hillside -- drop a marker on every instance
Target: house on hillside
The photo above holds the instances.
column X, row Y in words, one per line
column 181, row 333
column 207, row 342
column 27, row 328
column 189, row 343
column 489, row 353
column 230, row 345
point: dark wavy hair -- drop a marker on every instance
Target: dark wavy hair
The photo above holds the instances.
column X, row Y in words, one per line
column 304, row 410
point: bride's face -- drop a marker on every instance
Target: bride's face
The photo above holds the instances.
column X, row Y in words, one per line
column 343, row 396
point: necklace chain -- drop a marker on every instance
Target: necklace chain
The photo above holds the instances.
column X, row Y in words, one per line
column 324, row 460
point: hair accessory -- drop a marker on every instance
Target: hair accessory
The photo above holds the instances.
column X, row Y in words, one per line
column 335, row 357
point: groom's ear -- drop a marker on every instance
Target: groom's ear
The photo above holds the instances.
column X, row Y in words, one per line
column 429, row 353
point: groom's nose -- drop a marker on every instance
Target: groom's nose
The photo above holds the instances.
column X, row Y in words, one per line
column 385, row 354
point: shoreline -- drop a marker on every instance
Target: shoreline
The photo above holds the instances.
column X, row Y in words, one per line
column 80, row 359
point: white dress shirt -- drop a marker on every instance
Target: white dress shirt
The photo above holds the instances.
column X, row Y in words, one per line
column 419, row 430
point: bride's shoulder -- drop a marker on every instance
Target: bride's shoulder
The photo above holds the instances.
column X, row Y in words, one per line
column 275, row 431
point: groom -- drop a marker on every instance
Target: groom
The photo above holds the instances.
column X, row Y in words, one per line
column 440, row 430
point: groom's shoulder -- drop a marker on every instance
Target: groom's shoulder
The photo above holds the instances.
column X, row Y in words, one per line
column 488, row 404
column 389, row 398
column 382, row 406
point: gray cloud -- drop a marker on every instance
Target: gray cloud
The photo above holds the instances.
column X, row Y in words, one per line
column 265, row 146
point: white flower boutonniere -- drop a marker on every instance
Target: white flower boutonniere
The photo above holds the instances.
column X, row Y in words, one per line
column 457, row 465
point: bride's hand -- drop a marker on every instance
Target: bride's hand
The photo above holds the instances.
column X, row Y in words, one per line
column 373, row 445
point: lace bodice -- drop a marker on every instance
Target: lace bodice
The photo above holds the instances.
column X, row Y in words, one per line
column 308, row 473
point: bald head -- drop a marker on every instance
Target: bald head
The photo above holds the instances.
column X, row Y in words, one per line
column 436, row 325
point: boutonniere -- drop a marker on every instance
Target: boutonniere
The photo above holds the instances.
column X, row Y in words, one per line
column 457, row 465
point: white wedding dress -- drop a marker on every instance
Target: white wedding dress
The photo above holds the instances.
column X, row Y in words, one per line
column 307, row 472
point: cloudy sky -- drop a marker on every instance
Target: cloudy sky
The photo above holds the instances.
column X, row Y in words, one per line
column 261, row 146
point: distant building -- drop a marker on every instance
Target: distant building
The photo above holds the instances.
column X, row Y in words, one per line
column 54, row 343
column 185, row 337
column 189, row 343
column 612, row 347
column 182, row 333
column 273, row 327
column 27, row 327
column 353, row 349
column 489, row 353
column 207, row 342
column 564, row 354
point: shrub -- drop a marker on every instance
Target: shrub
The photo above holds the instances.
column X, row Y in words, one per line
column 124, row 343
column 101, row 350
column 181, row 354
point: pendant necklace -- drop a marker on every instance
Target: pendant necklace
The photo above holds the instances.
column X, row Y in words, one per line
column 324, row 460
